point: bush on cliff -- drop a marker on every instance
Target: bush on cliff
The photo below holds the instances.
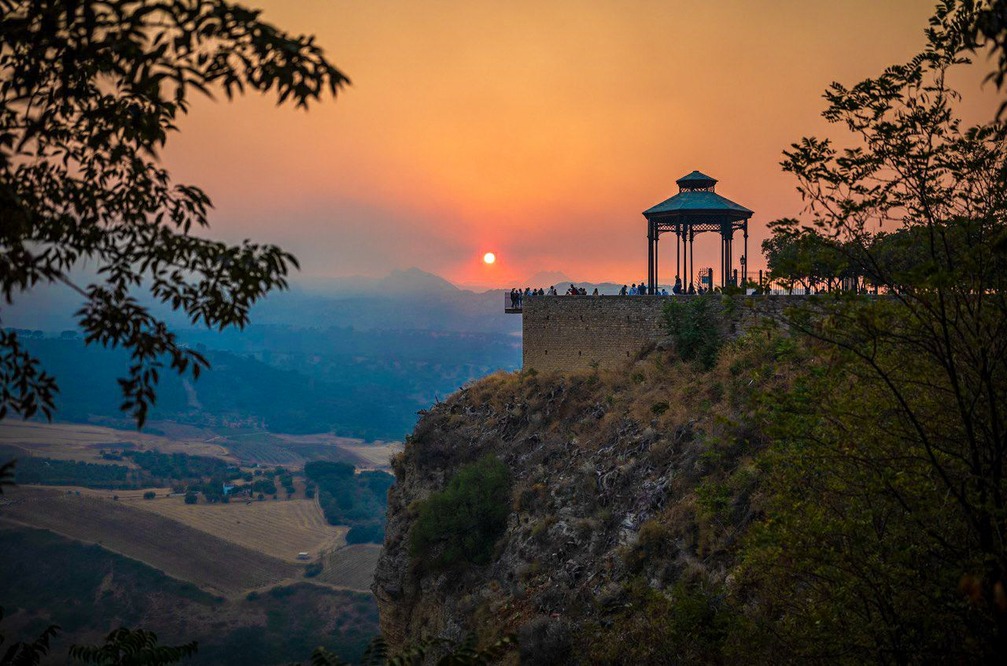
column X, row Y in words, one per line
column 694, row 324
column 463, row 522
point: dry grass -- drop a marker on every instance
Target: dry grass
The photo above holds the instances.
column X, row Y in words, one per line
column 72, row 441
column 280, row 529
column 351, row 567
column 377, row 456
column 214, row 564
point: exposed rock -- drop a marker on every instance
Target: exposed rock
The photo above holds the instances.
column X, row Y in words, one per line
column 592, row 467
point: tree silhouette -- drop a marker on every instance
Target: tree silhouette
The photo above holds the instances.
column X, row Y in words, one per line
column 132, row 647
column 21, row 653
column 903, row 423
column 983, row 26
column 89, row 93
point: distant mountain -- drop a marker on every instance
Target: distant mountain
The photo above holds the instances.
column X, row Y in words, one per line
column 562, row 282
column 410, row 280
column 415, row 281
column 546, row 279
column 403, row 300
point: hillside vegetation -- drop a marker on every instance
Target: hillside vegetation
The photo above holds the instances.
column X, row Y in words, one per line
column 356, row 384
column 623, row 482
column 87, row 590
column 183, row 552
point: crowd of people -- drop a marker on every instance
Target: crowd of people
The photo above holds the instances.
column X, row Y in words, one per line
column 517, row 296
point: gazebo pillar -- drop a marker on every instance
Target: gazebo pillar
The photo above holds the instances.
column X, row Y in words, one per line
column 744, row 266
column 657, row 262
column 692, row 257
column 652, row 257
column 678, row 251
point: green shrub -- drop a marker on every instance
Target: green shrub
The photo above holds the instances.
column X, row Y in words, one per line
column 694, row 324
column 149, row 495
column 191, row 498
column 463, row 522
column 686, row 624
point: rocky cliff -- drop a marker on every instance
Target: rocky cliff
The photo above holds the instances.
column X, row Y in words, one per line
column 619, row 505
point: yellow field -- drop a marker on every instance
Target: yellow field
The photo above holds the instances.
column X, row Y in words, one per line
column 378, row 456
column 183, row 552
column 280, row 529
column 73, row 441
column 351, row 567
column 227, row 549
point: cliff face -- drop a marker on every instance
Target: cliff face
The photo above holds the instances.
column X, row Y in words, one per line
column 611, row 473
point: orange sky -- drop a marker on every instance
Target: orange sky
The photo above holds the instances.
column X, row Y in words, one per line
column 536, row 129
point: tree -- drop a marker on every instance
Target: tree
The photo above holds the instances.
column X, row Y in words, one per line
column 463, row 522
column 132, row 647
column 89, row 93
column 983, row 23
column 22, row 653
column 794, row 255
column 891, row 509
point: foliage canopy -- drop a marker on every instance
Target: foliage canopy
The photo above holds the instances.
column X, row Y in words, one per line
column 695, row 326
column 89, row 93
column 888, row 477
column 463, row 522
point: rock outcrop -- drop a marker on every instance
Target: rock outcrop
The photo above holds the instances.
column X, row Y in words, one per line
column 607, row 469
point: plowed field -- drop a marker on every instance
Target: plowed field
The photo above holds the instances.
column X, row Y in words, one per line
column 280, row 529
column 215, row 564
column 350, row 567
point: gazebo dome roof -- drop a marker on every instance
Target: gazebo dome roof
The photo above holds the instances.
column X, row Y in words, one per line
column 696, row 180
column 697, row 197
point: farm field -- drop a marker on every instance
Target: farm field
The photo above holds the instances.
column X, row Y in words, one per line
column 75, row 441
column 87, row 590
column 351, row 567
column 280, row 529
column 83, row 442
column 376, row 456
column 268, row 448
column 181, row 551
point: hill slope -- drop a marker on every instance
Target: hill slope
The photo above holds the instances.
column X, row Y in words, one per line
column 88, row 591
column 611, row 477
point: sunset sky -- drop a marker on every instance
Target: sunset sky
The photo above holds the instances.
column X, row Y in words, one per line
column 538, row 130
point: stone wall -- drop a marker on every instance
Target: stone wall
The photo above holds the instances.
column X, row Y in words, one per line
column 569, row 333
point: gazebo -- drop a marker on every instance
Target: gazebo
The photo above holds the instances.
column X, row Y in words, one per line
column 695, row 209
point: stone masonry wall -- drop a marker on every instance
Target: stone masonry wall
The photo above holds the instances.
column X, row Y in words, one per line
column 570, row 333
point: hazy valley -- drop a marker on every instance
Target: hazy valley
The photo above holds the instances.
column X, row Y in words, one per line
column 335, row 377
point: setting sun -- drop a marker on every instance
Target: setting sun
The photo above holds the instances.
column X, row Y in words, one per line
column 489, row 258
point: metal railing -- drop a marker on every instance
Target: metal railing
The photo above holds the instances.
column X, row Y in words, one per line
column 514, row 303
